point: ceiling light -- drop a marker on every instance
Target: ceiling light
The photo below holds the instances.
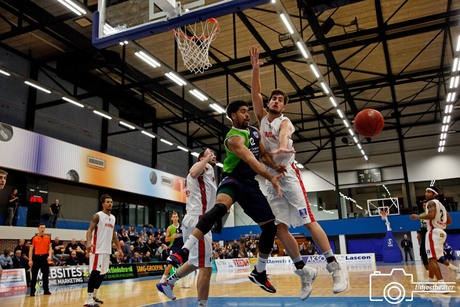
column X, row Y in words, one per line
column 355, row 139
column 302, row 49
column 102, row 114
column 148, row 134
column 5, row 73
column 73, row 102
column 218, row 164
column 448, row 96
column 286, row 23
column 175, row 78
column 147, row 59
column 334, row 103
column 359, row 146
column 452, row 98
column 217, row 107
column 457, row 79
column 448, row 109
column 340, row 113
column 345, row 122
column 129, row 126
column 166, row 142
column 324, row 86
column 73, row 7
column 198, row 94
column 182, row 148
column 352, row 133
column 315, row 71
column 454, row 67
column 366, row 158
column 38, row 87
column 458, row 43
column 195, row 154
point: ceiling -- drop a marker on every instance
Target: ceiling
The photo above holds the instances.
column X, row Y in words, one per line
column 390, row 55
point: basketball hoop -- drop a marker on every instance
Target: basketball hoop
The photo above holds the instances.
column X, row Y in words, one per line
column 194, row 41
column 383, row 211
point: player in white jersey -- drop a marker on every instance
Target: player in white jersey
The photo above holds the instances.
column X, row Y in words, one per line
column 201, row 192
column 100, row 235
column 293, row 208
column 437, row 219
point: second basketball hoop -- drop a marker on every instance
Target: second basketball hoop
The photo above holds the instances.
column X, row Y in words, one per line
column 194, row 41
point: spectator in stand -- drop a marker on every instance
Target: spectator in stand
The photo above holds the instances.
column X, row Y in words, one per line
column 125, row 249
column 71, row 246
column 73, row 259
column 147, row 257
column 114, row 259
column 133, row 234
column 235, row 249
column 311, row 250
column 121, row 230
column 148, row 247
column 25, row 250
column 57, row 246
column 19, row 262
column 253, row 246
column 138, row 245
column 82, row 254
column 303, row 248
column 136, row 258
column 5, row 260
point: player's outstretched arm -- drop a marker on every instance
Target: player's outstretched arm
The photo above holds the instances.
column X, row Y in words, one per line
column 257, row 100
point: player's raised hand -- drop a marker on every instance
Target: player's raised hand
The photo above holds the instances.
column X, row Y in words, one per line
column 254, row 53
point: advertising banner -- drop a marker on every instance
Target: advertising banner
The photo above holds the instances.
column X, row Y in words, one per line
column 150, row 269
column 13, row 282
column 121, row 271
column 66, row 275
column 232, row 264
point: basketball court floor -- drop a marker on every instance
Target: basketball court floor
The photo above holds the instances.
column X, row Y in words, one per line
column 234, row 289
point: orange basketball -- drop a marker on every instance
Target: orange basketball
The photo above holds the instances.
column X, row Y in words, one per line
column 369, row 122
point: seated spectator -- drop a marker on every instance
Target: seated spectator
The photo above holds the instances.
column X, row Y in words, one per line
column 303, row 248
column 114, row 259
column 147, row 257
column 20, row 262
column 73, row 259
column 311, row 250
column 20, row 245
column 235, row 249
column 133, row 234
column 81, row 252
column 6, row 262
column 71, row 246
column 136, row 258
column 125, row 249
column 138, row 245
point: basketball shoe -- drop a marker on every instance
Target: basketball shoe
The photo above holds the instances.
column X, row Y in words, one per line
column 92, row 304
column 261, row 280
column 166, row 289
column 339, row 280
column 177, row 259
column 307, row 276
column 97, row 300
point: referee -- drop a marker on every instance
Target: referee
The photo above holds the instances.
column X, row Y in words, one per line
column 39, row 254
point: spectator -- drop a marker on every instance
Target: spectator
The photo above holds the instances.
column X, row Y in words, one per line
column 448, row 252
column 54, row 209
column 72, row 246
column 311, row 250
column 125, row 249
column 235, row 249
column 136, row 258
column 147, row 257
column 138, row 245
column 73, row 259
column 13, row 203
column 83, row 256
column 406, row 244
column 19, row 261
column 5, row 260
column 303, row 249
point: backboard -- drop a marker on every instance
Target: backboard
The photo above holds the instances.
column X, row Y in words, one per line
column 375, row 206
column 124, row 20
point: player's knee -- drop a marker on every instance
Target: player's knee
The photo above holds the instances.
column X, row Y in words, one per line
column 207, row 221
column 267, row 237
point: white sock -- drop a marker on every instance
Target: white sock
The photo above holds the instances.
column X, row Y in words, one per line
column 95, row 293
column 173, row 279
column 328, row 253
column 203, row 303
column 261, row 264
column 89, row 298
column 191, row 241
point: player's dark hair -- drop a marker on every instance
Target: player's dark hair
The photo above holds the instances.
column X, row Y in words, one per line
column 104, row 197
column 279, row 92
column 234, row 106
column 2, row 172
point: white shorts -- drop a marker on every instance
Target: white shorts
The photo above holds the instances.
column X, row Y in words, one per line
column 200, row 255
column 99, row 262
column 434, row 243
column 293, row 208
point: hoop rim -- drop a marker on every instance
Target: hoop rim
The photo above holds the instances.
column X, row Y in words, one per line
column 215, row 31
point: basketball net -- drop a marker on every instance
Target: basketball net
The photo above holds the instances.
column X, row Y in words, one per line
column 194, row 41
column 384, row 216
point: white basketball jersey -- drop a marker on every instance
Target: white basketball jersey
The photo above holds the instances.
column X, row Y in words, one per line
column 102, row 235
column 440, row 218
column 270, row 139
column 201, row 192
